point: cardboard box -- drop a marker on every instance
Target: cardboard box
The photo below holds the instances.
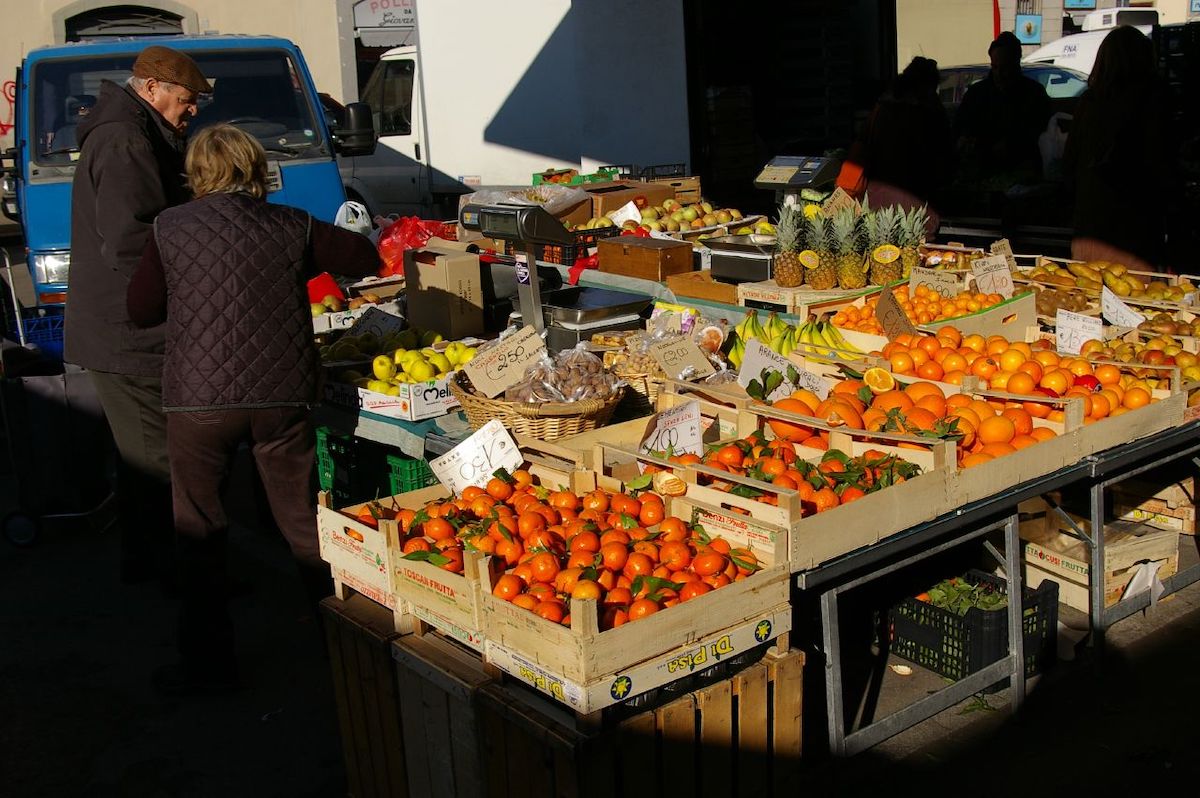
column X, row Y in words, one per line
column 611, row 196
column 445, row 291
column 647, row 258
column 701, row 285
column 344, row 319
column 414, row 402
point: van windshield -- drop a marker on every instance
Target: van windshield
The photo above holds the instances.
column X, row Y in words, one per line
column 260, row 91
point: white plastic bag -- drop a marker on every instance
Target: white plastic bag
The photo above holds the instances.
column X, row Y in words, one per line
column 1051, row 144
column 353, row 216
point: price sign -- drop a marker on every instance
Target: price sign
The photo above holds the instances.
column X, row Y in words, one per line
column 812, row 382
column 838, row 200
column 1002, row 247
column 626, row 213
column 943, row 283
column 892, row 317
column 475, row 460
column 497, row 369
column 1072, row 329
column 378, row 323
column 681, row 359
column 993, row 275
column 1117, row 312
column 676, row 431
column 776, row 376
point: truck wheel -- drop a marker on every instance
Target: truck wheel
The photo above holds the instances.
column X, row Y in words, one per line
column 21, row 529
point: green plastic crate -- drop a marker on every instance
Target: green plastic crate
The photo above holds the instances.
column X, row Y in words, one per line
column 409, row 473
column 352, row 469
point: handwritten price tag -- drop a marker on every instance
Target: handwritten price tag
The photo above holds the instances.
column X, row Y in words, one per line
column 944, row 283
column 475, row 460
column 813, row 382
column 840, row 199
column 1072, row 329
column 378, row 323
column 1002, row 247
column 775, row 374
column 892, row 317
column 626, row 213
column 681, row 359
column 676, row 431
column 1117, row 312
column 993, row 275
column 496, row 370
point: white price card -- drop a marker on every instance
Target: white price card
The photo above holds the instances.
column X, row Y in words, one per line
column 1072, row 329
column 1002, row 247
column 819, row 385
column 993, row 275
column 681, row 359
column 475, row 460
column 626, row 213
column 944, row 283
column 892, row 317
column 495, row 370
column 675, row 431
column 762, row 366
column 1117, row 312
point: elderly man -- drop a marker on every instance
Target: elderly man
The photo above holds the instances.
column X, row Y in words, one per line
column 130, row 168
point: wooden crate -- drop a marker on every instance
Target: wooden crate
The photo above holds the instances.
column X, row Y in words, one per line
column 1051, row 553
column 1155, row 513
column 701, row 285
column 651, row 259
column 469, row 734
column 359, row 634
column 359, row 556
column 687, row 189
column 798, row 301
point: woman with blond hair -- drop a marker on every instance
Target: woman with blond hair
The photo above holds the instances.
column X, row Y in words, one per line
column 227, row 273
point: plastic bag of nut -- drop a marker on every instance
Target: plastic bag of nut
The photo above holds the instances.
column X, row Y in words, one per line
column 537, row 384
column 581, row 375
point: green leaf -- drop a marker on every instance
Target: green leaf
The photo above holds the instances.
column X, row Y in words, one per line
column 701, row 533
column 740, row 563
column 745, row 491
column 793, row 375
column 502, row 473
column 431, row 557
column 865, row 395
column 628, row 521
column 640, row 482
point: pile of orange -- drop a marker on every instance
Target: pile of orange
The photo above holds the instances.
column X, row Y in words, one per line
column 922, row 306
column 624, row 551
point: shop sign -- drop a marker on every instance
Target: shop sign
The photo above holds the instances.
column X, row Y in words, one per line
column 385, row 14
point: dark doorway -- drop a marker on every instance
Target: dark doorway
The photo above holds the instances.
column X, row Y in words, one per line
column 113, row 21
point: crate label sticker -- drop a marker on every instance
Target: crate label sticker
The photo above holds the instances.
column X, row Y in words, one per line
column 475, row 460
column 353, row 542
column 626, row 213
column 1004, row 248
column 472, row 638
column 370, row 591
column 1117, row 312
column 675, row 431
column 760, row 360
column 533, row 674
column 681, row 359
column 495, row 370
column 944, row 283
column 1073, row 329
column 993, row 275
column 379, row 323
column 736, row 528
column 443, row 590
column 892, row 317
column 1036, row 552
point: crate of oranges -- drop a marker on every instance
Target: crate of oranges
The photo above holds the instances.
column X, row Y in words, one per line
column 356, row 549
column 968, row 311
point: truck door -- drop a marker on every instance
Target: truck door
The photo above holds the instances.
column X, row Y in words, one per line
column 395, row 176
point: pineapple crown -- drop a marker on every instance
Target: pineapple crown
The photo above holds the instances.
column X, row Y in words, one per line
column 846, row 229
column 912, row 227
column 789, row 233
column 817, row 229
column 883, row 226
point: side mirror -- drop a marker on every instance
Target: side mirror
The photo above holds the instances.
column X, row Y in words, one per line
column 357, row 135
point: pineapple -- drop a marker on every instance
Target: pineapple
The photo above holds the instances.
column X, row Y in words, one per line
column 911, row 236
column 789, row 240
column 883, row 229
column 818, row 258
column 849, row 264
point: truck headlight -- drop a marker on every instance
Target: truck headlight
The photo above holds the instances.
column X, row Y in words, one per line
column 51, row 267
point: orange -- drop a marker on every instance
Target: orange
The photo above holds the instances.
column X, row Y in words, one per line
column 642, row 608
column 950, row 336
column 917, row 390
column 1100, row 405
column 637, row 564
column 1055, row 381
column 1079, row 367
column 919, row 357
column 810, row 399
column 1042, row 433
column 1047, row 358
column 839, row 413
column 1135, row 398
column 614, row 555
column 438, row 529
column 934, row 404
column 998, row 449
column 999, row 380
column 550, row 610
column 1022, row 421
column 498, row 489
column 1033, row 369
column 1037, row 409
column 585, row 589
column 982, row 409
column 890, row 400
column 902, row 363
column 954, row 362
column 692, row 589
column 879, row 380
column 964, row 427
column 507, row 587
column 544, row 567
column 974, row 342
column 1023, row 441
column 873, row 420
column 709, row 563
column 984, row 367
column 930, row 371
column 1108, row 374
column 978, row 458
column 788, row 430
column 920, row 418
column 1021, row 383
column 957, row 400
column 1011, row 359
column 996, row 429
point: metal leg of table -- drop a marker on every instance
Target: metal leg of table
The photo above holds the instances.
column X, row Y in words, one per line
column 1011, row 667
column 1096, row 570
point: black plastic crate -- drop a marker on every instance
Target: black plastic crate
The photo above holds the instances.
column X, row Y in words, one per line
column 567, row 255
column 623, row 171
column 664, row 170
column 352, row 469
column 956, row 646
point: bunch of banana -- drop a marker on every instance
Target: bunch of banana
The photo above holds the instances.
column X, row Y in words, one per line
column 823, row 340
column 749, row 328
column 737, row 349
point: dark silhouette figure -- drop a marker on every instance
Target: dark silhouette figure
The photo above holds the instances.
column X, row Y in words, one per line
column 907, row 152
column 1000, row 119
column 1120, row 158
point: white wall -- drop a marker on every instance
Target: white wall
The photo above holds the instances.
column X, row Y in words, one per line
column 952, row 32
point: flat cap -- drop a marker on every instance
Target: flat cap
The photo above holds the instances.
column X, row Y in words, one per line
column 171, row 66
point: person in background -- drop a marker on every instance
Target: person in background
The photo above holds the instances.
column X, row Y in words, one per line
column 1000, row 118
column 907, row 152
column 227, row 273
column 1119, row 158
column 130, row 168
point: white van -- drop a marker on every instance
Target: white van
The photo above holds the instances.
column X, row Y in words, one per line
column 1078, row 51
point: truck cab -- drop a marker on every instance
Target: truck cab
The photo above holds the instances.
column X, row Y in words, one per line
column 260, row 84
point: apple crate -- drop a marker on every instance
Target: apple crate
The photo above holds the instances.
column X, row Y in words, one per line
column 566, row 255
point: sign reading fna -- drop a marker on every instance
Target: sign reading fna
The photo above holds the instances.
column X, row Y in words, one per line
column 694, row 660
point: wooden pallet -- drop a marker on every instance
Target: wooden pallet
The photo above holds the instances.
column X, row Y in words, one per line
column 469, row 734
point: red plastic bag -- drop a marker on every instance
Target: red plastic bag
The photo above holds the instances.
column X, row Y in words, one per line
column 404, row 234
column 323, row 285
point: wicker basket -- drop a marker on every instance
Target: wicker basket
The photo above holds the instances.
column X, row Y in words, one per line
column 642, row 396
column 547, row 421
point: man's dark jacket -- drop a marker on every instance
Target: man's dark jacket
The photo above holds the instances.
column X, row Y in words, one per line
column 130, row 168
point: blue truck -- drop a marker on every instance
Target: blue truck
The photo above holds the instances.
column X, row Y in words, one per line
column 260, row 84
